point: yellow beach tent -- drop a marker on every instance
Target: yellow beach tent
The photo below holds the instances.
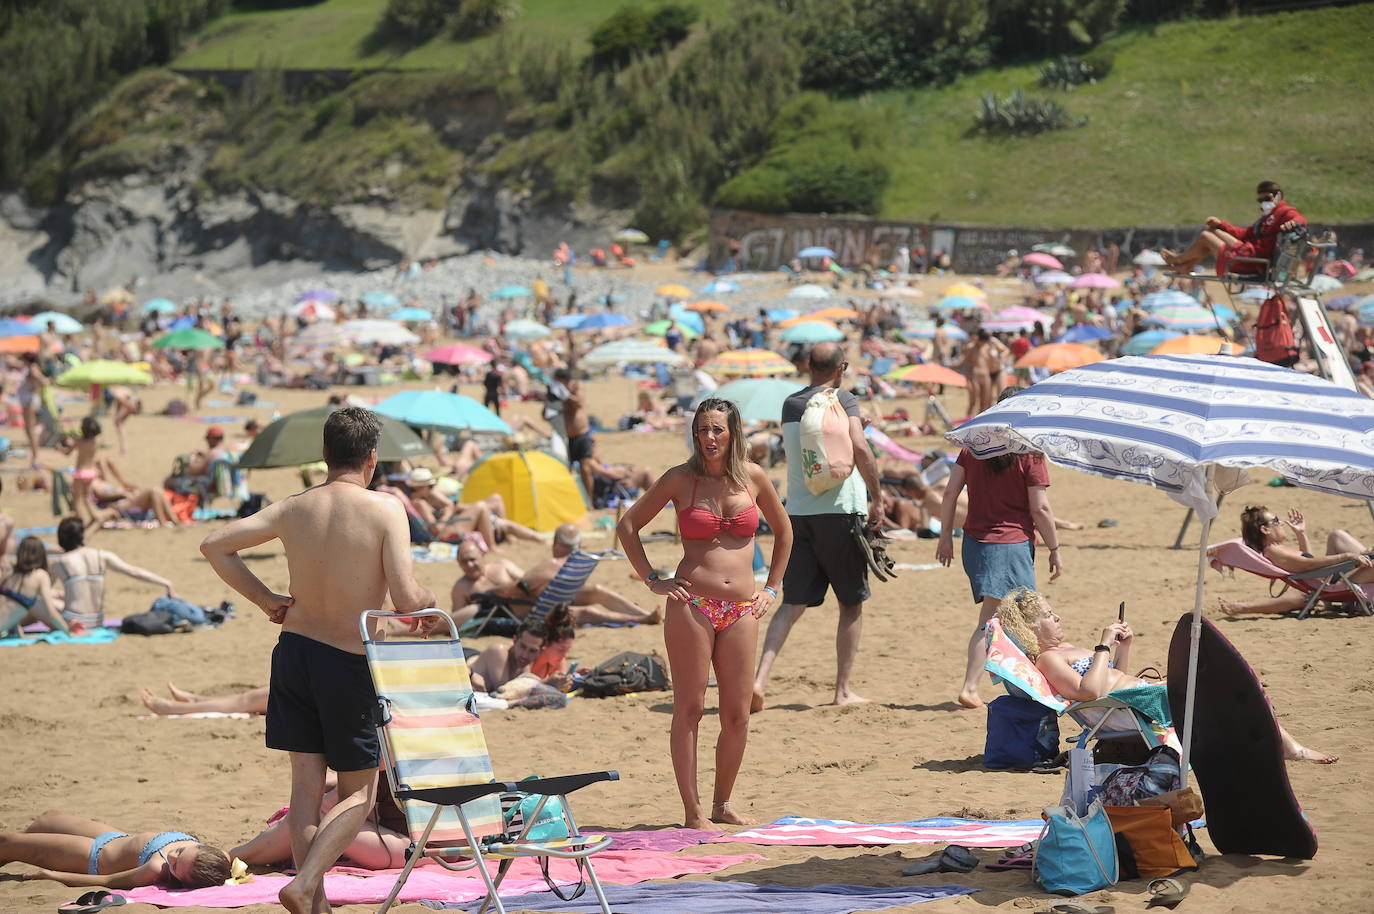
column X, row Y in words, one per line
column 538, row 489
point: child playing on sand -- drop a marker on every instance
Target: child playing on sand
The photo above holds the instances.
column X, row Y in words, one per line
column 79, row 852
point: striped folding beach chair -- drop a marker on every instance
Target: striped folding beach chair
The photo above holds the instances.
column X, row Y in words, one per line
column 436, row 759
column 561, row 591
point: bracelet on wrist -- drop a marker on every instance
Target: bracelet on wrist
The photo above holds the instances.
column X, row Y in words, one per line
column 770, row 590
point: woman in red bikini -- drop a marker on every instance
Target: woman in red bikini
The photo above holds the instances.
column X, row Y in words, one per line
column 713, row 604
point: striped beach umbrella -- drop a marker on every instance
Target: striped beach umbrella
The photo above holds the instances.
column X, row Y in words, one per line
column 1183, row 317
column 1191, row 426
column 632, row 352
column 1165, row 298
column 746, row 363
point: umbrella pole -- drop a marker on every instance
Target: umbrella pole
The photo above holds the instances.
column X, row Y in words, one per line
column 1194, row 640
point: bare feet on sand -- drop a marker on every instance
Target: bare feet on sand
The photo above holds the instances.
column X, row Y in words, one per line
column 849, row 698
column 1229, row 608
column 181, row 694
column 1303, row 754
column 157, row 705
column 969, row 700
column 297, row 899
column 725, row 814
column 653, row 618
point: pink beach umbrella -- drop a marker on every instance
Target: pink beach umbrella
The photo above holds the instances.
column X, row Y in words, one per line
column 1094, row 281
column 1022, row 313
column 1039, row 259
column 458, row 354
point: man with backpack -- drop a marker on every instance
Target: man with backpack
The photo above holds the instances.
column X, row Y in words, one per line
column 831, row 474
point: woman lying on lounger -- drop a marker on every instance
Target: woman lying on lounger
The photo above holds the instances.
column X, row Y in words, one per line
column 1264, row 532
column 78, row 852
column 1080, row 674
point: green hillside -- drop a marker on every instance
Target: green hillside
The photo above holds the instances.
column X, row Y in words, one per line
column 339, row 34
column 1192, row 116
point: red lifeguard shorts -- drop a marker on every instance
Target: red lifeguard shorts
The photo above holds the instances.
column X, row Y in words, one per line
column 1232, row 251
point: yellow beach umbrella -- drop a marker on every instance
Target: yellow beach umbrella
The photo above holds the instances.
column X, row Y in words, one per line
column 1192, row 344
column 538, row 489
column 966, row 289
column 745, row 363
column 673, row 290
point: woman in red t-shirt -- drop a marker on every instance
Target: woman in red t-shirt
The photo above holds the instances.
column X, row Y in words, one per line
column 1007, row 504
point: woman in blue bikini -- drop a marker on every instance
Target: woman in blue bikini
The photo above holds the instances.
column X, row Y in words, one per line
column 713, row 603
column 78, row 852
column 26, row 593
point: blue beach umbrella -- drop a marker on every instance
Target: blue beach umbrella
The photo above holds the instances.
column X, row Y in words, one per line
column 816, row 251
column 182, row 323
column 719, row 287
column 960, row 303
column 568, row 321
column 159, row 306
column 59, row 322
column 1193, row 427
column 812, row 332
column 777, row 315
column 1085, row 333
column 688, row 318
column 758, row 399
column 1145, row 343
column 380, row 300
column 602, row 320
column 11, row 327
column 440, row 410
column 511, row 292
column 1256, row 295
column 1166, row 298
column 1183, row 317
column 1336, row 304
column 411, row 315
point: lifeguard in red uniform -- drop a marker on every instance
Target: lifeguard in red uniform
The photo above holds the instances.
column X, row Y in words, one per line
column 1228, row 242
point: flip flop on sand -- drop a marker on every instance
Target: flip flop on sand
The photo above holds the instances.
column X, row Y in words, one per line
column 953, row 859
column 92, row 902
column 1078, row 907
column 1166, row 893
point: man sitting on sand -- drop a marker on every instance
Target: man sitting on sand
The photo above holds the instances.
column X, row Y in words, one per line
column 502, row 578
column 347, row 549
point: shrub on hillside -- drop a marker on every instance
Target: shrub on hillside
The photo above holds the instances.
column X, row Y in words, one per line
column 633, row 31
column 273, row 4
column 478, row 17
column 1065, row 72
column 1022, row 115
column 418, row 19
column 825, row 159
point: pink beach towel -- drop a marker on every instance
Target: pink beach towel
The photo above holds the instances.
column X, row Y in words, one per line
column 349, row 885
column 797, row 830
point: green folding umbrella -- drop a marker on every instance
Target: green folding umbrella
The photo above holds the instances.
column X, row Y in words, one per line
column 190, row 338
column 103, row 371
column 299, row 439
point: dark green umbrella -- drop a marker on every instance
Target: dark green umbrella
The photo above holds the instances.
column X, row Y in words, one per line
column 299, row 439
column 189, row 338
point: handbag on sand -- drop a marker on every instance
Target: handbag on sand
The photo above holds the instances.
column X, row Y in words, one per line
column 1076, row 854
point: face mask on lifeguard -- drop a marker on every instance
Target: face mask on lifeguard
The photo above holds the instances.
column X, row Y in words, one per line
column 1267, row 206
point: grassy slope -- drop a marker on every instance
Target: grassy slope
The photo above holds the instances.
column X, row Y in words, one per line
column 1192, row 116
column 335, row 34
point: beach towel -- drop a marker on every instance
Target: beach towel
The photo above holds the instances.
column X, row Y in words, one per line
column 732, row 898
column 97, row 636
column 349, row 885
column 884, row 443
column 201, row 715
column 664, row 840
column 1151, row 700
column 798, row 830
column 436, row 551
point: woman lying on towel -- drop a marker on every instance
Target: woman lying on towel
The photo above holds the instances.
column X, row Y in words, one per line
column 78, row 852
column 1264, row 532
column 1080, row 674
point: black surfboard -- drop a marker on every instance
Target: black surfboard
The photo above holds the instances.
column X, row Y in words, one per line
column 1237, row 754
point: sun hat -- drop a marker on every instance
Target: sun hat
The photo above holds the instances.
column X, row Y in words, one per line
column 420, row 476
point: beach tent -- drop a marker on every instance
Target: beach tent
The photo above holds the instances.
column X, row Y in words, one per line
column 538, row 489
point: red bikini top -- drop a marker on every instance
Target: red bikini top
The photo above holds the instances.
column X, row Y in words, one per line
column 696, row 523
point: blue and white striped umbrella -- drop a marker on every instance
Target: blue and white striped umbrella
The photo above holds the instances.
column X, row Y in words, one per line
column 1190, row 426
column 1184, row 317
column 1166, row 298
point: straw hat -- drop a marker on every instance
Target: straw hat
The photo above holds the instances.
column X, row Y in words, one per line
column 420, row 477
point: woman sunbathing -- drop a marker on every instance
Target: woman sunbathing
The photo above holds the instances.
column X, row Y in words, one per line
column 1264, row 532
column 1077, row 673
column 252, row 701
column 79, row 852
column 380, row 844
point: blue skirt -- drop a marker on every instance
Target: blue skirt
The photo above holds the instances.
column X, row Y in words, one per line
column 996, row 569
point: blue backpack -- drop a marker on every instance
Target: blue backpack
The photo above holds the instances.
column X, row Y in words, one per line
column 1021, row 733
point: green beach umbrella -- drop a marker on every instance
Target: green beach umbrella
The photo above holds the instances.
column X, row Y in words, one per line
column 103, row 371
column 758, row 399
column 660, row 328
column 190, row 338
column 299, row 439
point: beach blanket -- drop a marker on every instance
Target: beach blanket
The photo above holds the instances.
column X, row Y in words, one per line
column 98, row 636
column 349, row 885
column 839, row 833
column 885, row 444
column 111, row 622
column 731, row 898
column 665, row 840
column 434, row 552
column 201, row 715
column 1151, row 700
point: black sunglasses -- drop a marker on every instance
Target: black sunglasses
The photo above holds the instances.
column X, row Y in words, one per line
column 1264, row 198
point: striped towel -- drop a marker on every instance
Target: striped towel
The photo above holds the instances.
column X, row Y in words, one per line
column 798, row 830
column 434, row 737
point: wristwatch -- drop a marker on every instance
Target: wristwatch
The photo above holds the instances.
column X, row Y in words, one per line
column 1101, row 647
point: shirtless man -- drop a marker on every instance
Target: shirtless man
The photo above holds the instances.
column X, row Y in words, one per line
column 347, row 548
column 593, row 605
column 577, row 426
column 502, row 662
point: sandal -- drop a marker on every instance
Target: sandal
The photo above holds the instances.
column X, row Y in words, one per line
column 1078, row 907
column 92, row 902
column 1150, row 674
column 1166, row 893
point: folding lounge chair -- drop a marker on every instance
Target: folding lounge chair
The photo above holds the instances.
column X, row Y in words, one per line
column 1106, row 719
column 562, row 590
column 436, row 759
column 1329, row 585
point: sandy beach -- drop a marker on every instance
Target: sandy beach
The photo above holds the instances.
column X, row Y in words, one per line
column 75, row 740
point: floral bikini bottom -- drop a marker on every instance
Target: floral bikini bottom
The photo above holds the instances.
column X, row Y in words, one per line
column 722, row 613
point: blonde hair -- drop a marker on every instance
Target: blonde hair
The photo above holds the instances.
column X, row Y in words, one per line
column 1018, row 612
